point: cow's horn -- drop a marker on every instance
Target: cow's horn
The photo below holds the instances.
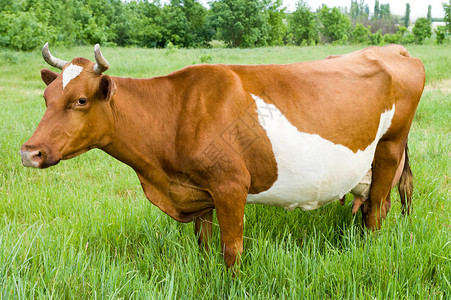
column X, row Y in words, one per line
column 102, row 65
column 52, row 60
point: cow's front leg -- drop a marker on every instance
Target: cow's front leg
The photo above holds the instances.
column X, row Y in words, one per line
column 229, row 204
column 231, row 227
column 203, row 229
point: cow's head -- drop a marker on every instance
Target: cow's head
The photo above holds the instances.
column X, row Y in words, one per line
column 78, row 115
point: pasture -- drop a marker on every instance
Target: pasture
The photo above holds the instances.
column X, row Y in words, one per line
column 84, row 229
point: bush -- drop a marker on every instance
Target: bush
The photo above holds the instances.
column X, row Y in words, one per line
column 408, row 39
column 23, row 31
column 361, row 34
column 440, row 34
column 422, row 30
column 392, row 38
column 376, row 38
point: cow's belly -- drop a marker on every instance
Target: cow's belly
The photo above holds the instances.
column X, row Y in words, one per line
column 312, row 171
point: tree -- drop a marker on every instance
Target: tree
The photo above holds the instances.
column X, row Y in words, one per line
column 376, row 38
column 184, row 23
column 240, row 23
column 334, row 25
column 22, row 31
column 407, row 16
column 402, row 31
column 146, row 24
column 302, row 25
column 385, row 11
column 367, row 10
column 277, row 28
column 429, row 15
column 361, row 34
column 359, row 10
column 376, row 10
column 354, row 10
column 123, row 26
column 422, row 30
column 447, row 18
column 440, row 33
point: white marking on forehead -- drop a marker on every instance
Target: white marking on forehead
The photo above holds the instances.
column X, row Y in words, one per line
column 70, row 73
column 312, row 171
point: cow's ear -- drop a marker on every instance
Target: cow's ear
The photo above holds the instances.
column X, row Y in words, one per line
column 48, row 76
column 107, row 87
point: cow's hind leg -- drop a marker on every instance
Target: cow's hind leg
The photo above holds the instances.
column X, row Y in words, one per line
column 203, row 226
column 386, row 161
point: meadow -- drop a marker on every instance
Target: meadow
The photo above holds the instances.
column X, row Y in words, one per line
column 84, row 229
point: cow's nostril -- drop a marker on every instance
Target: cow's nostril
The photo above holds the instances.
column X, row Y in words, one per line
column 36, row 156
column 32, row 159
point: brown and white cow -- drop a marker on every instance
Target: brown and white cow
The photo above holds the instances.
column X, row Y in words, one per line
column 220, row 136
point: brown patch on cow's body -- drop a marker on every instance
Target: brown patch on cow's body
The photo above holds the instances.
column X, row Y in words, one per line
column 194, row 139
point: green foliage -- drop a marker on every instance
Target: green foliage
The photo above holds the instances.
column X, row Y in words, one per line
column 140, row 23
column 240, row 23
column 394, row 38
column 359, row 11
column 440, row 34
column 376, row 38
column 422, row 29
column 23, row 31
column 206, row 59
column 334, row 24
column 302, row 25
column 27, row 24
column 409, row 39
column 406, row 18
column 377, row 12
column 361, row 34
column 184, row 23
column 147, row 32
column 402, row 30
column 447, row 18
column 385, row 12
column 277, row 28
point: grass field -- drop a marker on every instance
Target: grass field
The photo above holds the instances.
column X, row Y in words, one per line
column 83, row 229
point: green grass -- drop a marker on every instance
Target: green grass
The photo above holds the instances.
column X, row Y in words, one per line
column 83, row 229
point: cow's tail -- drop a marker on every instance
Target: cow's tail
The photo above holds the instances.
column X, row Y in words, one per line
column 405, row 185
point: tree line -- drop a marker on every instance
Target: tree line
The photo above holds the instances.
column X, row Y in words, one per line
column 27, row 24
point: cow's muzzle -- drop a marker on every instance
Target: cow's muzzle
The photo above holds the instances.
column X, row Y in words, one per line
column 35, row 157
column 31, row 158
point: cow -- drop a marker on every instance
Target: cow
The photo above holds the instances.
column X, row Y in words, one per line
column 403, row 178
column 215, row 137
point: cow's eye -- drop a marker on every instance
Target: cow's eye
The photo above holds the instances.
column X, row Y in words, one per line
column 82, row 101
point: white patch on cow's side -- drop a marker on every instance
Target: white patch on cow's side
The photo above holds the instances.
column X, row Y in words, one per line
column 70, row 73
column 312, row 171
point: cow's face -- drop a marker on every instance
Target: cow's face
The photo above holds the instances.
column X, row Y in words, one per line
column 78, row 115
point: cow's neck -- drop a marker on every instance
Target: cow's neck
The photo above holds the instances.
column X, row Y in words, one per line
column 141, row 124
